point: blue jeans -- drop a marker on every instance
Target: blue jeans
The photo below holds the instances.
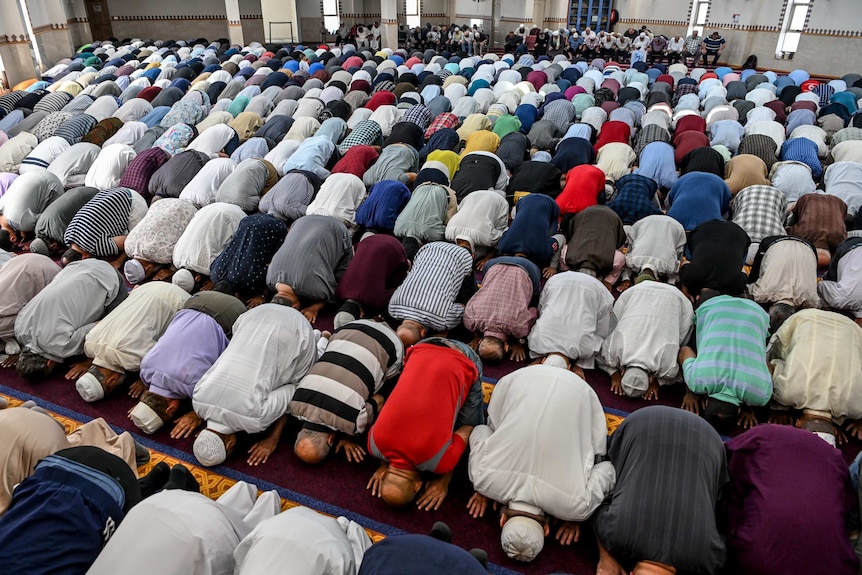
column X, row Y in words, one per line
column 473, row 411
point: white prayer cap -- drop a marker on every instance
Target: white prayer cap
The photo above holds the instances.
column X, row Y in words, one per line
column 209, row 448
column 89, row 388
column 635, row 381
column 555, row 360
column 184, row 279
column 522, row 538
column 146, row 418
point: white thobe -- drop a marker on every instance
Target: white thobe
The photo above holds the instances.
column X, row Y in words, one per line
column 788, row 274
column 846, row 293
column 311, row 543
column 206, row 236
column 121, row 340
column 482, row 218
column 339, row 197
column 817, row 360
column 545, row 429
column 574, row 318
column 251, row 384
column 844, row 179
column 655, row 242
column 652, row 321
column 107, row 170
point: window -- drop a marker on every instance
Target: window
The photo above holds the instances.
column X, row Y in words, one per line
column 699, row 10
column 412, row 13
column 795, row 18
column 330, row 15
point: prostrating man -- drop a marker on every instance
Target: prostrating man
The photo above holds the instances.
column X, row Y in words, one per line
column 660, row 519
column 784, row 275
column 841, row 288
column 191, row 344
column 816, row 361
column 534, row 232
column 150, row 246
column 100, row 227
column 250, row 385
column 427, row 298
column 339, row 398
column 51, row 225
column 656, row 245
column 305, row 270
column 652, row 321
column 118, row 343
column 25, row 200
column 426, row 423
column 418, row 555
column 203, row 240
column 730, row 364
column 515, row 460
column 764, row 507
column 574, row 319
column 595, row 236
column 819, row 218
column 378, row 267
column 185, row 532
column 504, row 307
column 718, row 250
column 482, row 218
column 21, row 279
column 53, row 325
column 308, row 541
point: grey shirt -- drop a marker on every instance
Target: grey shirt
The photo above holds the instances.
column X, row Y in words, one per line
column 56, row 321
column 312, row 258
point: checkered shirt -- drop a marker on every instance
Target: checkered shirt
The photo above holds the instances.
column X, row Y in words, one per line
column 760, row 211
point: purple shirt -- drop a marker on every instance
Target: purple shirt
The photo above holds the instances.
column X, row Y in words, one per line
column 790, row 493
column 189, row 347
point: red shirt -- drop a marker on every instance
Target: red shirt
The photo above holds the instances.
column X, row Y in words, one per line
column 415, row 428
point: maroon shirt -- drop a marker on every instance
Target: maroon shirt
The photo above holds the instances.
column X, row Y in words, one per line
column 379, row 265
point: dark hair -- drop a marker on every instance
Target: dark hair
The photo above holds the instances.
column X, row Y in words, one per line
column 224, row 286
column 70, row 256
column 157, row 403
column 5, row 241
column 778, row 314
column 32, row 366
column 281, row 300
column 720, row 414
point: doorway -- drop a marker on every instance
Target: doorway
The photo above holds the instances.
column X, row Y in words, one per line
column 593, row 13
column 100, row 19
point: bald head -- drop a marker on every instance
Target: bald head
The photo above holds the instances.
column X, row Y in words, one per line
column 312, row 446
column 399, row 486
column 491, row 349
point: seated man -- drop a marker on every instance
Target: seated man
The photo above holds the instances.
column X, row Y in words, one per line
column 841, row 288
column 25, row 200
column 118, row 344
column 816, row 362
column 426, row 423
column 762, row 504
column 670, row 468
column 514, row 461
column 340, row 397
column 595, row 236
column 250, row 385
column 192, row 532
column 419, row 555
column 53, row 325
column 305, row 270
column 730, row 365
column 427, row 298
column 718, row 250
column 191, row 344
column 150, row 246
column 482, row 218
column 713, row 46
column 574, row 319
column 656, row 245
column 785, row 273
column 504, row 307
column 203, row 240
column 308, row 541
column 652, row 321
column 378, row 267
column 534, row 233
column 21, row 279
column 52, row 223
column 819, row 218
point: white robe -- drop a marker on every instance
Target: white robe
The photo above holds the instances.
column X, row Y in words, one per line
column 339, row 197
column 251, row 384
column 655, row 242
column 71, row 166
column 652, row 320
column 846, row 293
column 107, row 171
column 574, row 318
column 311, row 543
column 482, row 218
column 545, row 428
column 788, row 274
column 206, row 236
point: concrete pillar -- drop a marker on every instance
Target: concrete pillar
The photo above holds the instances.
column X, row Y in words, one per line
column 234, row 26
column 539, row 13
column 389, row 24
column 17, row 57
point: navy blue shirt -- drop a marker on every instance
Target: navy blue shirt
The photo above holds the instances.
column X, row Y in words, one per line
column 418, row 555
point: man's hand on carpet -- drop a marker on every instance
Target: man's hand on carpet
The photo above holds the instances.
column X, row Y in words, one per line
column 186, row 425
column 10, row 360
column 255, row 301
column 377, row 479
column 260, row 451
column 79, row 369
column 549, row 272
column 568, row 532
column 434, row 494
column 691, row 402
column 137, row 389
column 840, row 436
column 854, row 428
column 652, row 390
column 617, row 383
column 353, row 451
column 781, row 417
column 477, row 505
column 747, row 420
column 517, row 352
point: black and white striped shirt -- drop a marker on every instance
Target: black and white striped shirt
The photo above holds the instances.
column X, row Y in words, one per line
column 99, row 221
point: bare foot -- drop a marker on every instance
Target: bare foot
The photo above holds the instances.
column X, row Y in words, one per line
column 652, row 391
column 617, row 383
column 137, row 389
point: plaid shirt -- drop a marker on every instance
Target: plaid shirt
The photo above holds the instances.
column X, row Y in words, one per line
column 760, row 211
column 419, row 115
column 141, row 169
column 692, row 44
column 761, row 146
column 820, row 220
column 447, row 120
column 633, row 200
column 501, row 308
column 560, row 113
column 366, row 133
column 649, row 134
column 682, row 90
